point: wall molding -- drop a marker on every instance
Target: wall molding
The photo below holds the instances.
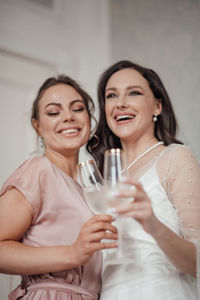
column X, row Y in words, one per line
column 27, row 58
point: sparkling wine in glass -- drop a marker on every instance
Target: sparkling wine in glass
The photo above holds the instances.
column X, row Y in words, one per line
column 92, row 182
column 114, row 164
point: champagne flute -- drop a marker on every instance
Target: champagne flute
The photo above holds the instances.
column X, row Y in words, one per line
column 114, row 164
column 92, row 182
column 89, row 177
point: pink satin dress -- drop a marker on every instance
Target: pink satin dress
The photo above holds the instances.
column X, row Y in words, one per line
column 59, row 212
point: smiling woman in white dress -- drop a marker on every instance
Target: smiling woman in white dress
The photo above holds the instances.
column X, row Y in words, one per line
column 136, row 115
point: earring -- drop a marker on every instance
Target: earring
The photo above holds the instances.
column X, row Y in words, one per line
column 40, row 147
column 155, row 119
column 41, row 140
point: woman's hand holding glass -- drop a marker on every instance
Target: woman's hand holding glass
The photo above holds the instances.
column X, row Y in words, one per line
column 92, row 237
column 140, row 209
column 92, row 183
column 116, row 197
column 103, row 195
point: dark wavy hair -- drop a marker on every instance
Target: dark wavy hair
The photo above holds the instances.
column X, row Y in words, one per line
column 62, row 79
column 165, row 127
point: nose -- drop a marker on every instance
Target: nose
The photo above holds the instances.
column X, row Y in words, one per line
column 68, row 116
column 121, row 102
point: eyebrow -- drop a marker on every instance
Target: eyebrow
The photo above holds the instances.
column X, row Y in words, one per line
column 128, row 88
column 53, row 104
column 111, row 89
column 134, row 86
column 60, row 105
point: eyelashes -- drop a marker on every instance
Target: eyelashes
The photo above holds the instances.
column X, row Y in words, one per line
column 132, row 93
column 53, row 114
column 80, row 109
column 110, row 96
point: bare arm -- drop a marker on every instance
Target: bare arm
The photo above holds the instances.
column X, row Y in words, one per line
column 16, row 258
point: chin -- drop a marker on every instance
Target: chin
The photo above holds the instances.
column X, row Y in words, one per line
column 126, row 138
column 123, row 134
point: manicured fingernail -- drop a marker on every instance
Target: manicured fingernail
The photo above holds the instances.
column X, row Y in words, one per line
column 123, row 178
column 111, row 210
column 114, row 193
column 132, row 188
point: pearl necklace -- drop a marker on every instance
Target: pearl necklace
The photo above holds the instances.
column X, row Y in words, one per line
column 142, row 155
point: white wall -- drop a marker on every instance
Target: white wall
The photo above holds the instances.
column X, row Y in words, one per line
column 38, row 41
column 71, row 37
column 165, row 36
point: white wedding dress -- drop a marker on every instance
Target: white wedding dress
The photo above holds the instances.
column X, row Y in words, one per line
column 172, row 181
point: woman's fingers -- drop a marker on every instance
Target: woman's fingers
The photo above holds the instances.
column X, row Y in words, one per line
column 137, row 210
column 103, row 245
column 99, row 226
column 138, row 216
column 100, row 223
column 132, row 206
column 133, row 189
column 107, row 245
column 139, row 198
column 101, row 236
column 100, row 230
column 102, row 217
column 97, row 229
column 140, row 208
column 133, row 182
column 90, row 238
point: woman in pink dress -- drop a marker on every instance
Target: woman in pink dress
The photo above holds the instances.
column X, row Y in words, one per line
column 47, row 233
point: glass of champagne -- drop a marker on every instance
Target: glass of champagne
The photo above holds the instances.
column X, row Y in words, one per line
column 114, row 164
column 92, row 182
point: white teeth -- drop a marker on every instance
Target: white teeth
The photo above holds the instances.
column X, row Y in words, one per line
column 121, row 117
column 67, row 131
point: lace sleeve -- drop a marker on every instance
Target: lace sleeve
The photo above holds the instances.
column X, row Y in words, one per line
column 184, row 190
